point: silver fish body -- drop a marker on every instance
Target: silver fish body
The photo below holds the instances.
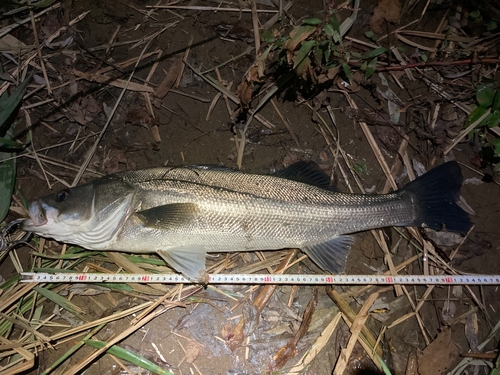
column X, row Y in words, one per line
column 183, row 213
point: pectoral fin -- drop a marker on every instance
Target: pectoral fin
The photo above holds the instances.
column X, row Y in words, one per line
column 330, row 256
column 190, row 261
column 168, row 216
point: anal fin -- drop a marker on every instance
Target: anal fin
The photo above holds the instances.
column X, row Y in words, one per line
column 331, row 255
column 190, row 261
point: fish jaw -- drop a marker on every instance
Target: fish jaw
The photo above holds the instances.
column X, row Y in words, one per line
column 93, row 233
column 42, row 216
column 47, row 221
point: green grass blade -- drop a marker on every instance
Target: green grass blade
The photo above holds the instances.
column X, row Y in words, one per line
column 129, row 356
column 72, row 350
column 8, row 104
column 61, row 301
column 7, row 182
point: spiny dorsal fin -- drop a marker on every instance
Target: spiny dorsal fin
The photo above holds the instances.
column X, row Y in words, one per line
column 307, row 172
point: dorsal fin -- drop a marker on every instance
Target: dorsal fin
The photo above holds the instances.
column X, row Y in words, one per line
column 307, row 172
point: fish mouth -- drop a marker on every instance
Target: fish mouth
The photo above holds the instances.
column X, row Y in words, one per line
column 38, row 216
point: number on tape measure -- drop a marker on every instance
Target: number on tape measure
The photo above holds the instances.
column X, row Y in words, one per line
column 263, row 279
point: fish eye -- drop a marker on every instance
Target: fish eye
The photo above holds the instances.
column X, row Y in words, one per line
column 62, row 195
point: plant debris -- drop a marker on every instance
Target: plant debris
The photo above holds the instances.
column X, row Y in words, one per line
column 89, row 88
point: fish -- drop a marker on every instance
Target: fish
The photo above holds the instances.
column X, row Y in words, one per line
column 184, row 213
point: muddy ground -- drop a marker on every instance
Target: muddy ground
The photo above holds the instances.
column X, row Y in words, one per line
column 191, row 338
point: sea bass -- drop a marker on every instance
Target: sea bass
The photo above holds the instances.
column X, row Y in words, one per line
column 183, row 213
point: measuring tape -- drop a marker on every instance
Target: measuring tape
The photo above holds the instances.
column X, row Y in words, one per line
column 35, row 277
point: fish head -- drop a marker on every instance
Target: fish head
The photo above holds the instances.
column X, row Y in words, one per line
column 88, row 215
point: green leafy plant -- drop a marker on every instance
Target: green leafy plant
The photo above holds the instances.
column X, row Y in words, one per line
column 488, row 105
column 310, row 49
column 314, row 51
column 9, row 105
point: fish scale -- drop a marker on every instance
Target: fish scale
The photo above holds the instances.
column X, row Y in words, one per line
column 183, row 213
column 270, row 193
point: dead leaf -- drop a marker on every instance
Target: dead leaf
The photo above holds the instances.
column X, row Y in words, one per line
column 117, row 161
column 385, row 11
column 245, row 88
column 91, row 108
column 236, row 337
column 297, row 35
column 411, row 365
column 290, row 349
column 439, row 355
column 193, row 348
column 169, row 80
column 138, row 115
column 245, row 91
column 116, row 82
column 251, row 315
column 329, row 75
column 471, row 331
column 354, row 86
column 226, row 330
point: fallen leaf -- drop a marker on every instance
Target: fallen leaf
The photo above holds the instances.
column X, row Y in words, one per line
column 471, row 331
column 245, row 88
column 297, row 35
column 117, row 161
column 193, row 348
column 329, row 75
column 245, row 91
column 169, row 80
column 385, row 11
column 290, row 349
column 438, row 356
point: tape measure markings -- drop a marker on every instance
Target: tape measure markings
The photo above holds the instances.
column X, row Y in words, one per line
column 263, row 279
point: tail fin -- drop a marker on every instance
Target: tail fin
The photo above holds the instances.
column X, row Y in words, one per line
column 436, row 193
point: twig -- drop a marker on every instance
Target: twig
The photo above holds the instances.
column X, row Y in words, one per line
column 82, row 364
column 438, row 63
column 48, row 41
column 277, row 17
column 116, row 82
column 226, row 100
column 351, row 316
column 466, row 131
column 96, row 143
column 186, row 54
column 39, row 50
column 59, row 163
column 286, row 122
column 8, row 29
column 357, row 327
column 147, row 97
column 373, row 144
column 213, row 9
column 439, row 36
column 256, row 37
column 245, row 52
column 318, row 345
column 29, row 125
column 195, row 97
column 218, row 86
